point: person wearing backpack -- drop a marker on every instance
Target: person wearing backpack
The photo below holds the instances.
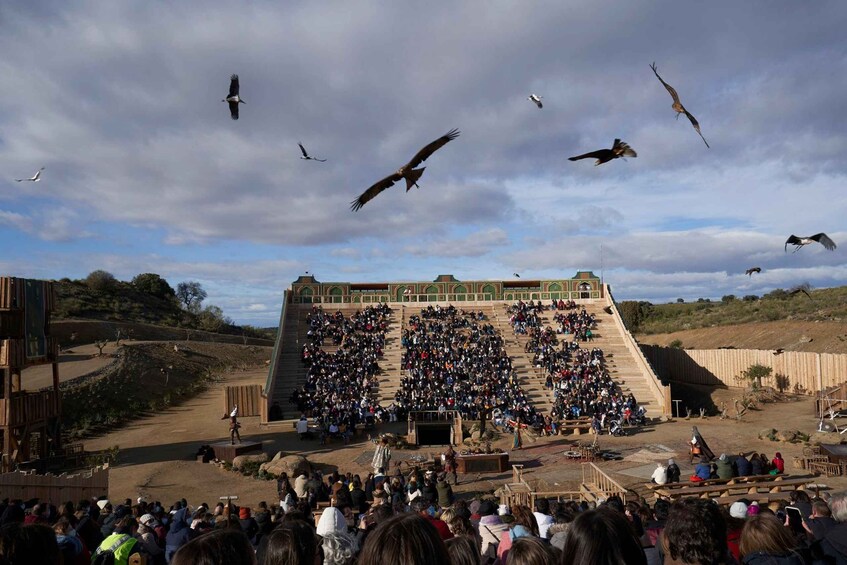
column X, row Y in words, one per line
column 116, row 548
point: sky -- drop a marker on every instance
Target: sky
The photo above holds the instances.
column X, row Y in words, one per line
column 146, row 172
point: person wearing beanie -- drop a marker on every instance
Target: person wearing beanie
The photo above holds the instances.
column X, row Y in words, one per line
column 753, row 509
column 673, row 471
column 738, row 510
column 660, row 474
column 248, row 524
column 723, row 467
column 778, row 464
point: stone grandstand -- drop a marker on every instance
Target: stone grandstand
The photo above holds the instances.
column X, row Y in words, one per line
column 623, row 358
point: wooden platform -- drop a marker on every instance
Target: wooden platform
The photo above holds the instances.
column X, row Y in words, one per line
column 225, row 451
column 488, row 463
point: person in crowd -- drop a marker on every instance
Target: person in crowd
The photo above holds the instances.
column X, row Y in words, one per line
column 445, row 492
column 601, row 536
column 543, row 517
column 149, row 539
column 72, row 548
column 703, row 471
column 25, row 544
column 778, row 464
column 735, row 518
column 405, row 538
column 660, row 474
column 179, row 533
column 742, row 466
column 528, row 550
column 248, row 524
column 756, row 465
column 820, row 520
column 218, row 546
column 524, row 524
column 765, row 541
column 292, row 543
column 723, row 467
column 673, row 471
column 339, row 548
column 832, row 545
column 463, row 550
column 695, row 534
column 427, row 511
column 490, row 529
column 122, row 542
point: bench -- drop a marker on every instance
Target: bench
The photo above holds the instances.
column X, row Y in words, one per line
column 727, row 490
column 577, row 427
column 712, row 482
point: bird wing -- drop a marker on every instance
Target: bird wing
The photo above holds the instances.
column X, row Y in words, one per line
column 824, row 240
column 671, row 90
column 696, row 125
column 233, row 110
column 599, row 154
column 424, row 153
column 622, row 148
column 370, row 193
column 303, row 150
column 321, row 160
column 539, row 104
column 792, row 240
column 233, row 85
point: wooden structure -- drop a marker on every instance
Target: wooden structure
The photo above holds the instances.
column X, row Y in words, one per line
column 596, row 486
column 57, row 489
column 483, row 463
column 763, row 488
column 831, row 462
column 420, row 421
column 248, row 398
column 29, row 421
column 226, row 451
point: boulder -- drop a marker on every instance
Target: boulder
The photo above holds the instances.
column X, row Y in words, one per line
column 768, row 433
column 240, row 460
column 787, row 435
column 818, row 438
column 292, row 465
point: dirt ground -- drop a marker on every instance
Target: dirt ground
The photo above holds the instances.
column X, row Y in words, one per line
column 157, row 452
column 73, row 364
column 818, row 337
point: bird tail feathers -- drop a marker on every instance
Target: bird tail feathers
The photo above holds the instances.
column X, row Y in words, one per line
column 412, row 177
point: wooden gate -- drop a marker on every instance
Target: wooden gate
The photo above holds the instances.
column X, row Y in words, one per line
column 246, row 397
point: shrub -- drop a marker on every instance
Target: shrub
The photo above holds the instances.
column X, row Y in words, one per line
column 680, row 301
column 101, row 281
column 726, row 299
column 782, row 382
column 754, row 375
column 153, row 284
column 676, row 344
column 750, row 298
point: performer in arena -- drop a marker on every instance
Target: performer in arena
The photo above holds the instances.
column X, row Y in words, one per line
column 449, row 460
column 698, row 447
column 233, row 425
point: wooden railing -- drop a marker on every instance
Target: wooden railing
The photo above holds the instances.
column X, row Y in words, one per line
column 592, row 475
column 273, row 366
column 470, row 298
column 29, row 407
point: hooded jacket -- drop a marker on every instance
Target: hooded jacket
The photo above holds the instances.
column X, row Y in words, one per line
column 332, row 520
column 180, row 530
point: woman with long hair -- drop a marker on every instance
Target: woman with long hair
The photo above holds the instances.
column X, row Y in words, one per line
column 765, row 541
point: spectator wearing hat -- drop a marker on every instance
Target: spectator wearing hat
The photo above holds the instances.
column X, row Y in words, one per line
column 491, row 527
column 149, row 539
column 734, row 525
column 248, row 524
column 332, row 520
column 723, row 467
column 660, row 474
column 179, row 533
column 673, row 471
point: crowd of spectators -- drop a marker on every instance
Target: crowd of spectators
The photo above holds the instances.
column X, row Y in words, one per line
column 421, row 529
column 339, row 384
column 455, row 360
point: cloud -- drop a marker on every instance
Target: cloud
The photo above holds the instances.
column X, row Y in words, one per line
column 472, row 245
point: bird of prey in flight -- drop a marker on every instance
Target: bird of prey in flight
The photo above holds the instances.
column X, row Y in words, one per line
column 308, row 157
column 619, row 149
column 804, row 288
column 751, row 270
column 537, row 99
column 34, row 178
column 677, row 105
column 233, row 98
column 407, row 171
column 517, row 276
column 799, row 242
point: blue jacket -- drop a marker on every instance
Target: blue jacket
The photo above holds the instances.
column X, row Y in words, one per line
column 180, row 530
column 742, row 465
column 703, row 470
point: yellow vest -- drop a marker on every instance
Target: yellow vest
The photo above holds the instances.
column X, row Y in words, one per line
column 122, row 551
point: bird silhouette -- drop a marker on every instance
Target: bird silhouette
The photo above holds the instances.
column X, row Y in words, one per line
column 537, row 99
column 804, row 288
column 308, row 157
column 778, row 351
column 619, row 149
column 799, row 242
column 34, row 178
column 407, row 171
column 751, row 270
column 233, row 98
column 677, row 105
column 516, row 275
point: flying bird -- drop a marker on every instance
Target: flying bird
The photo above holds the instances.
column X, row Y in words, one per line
column 516, row 275
column 233, row 98
column 308, row 157
column 34, row 178
column 537, row 99
column 799, row 242
column 619, row 149
column 778, row 351
column 751, row 270
column 677, row 105
column 407, row 171
column 804, row 288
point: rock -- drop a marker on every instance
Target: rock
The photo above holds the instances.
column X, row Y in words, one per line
column 240, row 460
column 805, row 339
column 818, row 438
column 787, row 435
column 475, row 435
column 292, row 465
column 768, row 433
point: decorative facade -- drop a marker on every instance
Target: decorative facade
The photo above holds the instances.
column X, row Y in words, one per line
column 445, row 288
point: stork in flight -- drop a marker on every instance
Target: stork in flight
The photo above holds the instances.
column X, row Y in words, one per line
column 749, row 272
column 677, row 105
column 308, row 157
column 799, row 242
column 537, row 99
column 233, row 98
column 34, row 178
column 804, row 288
column 407, row 171
column 619, row 149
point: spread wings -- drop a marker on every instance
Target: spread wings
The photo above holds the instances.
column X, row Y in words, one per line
column 622, row 148
column 233, row 110
column 424, row 153
column 671, row 89
column 824, row 240
column 233, row 85
column 696, row 125
column 303, row 150
column 371, row 193
column 599, row 154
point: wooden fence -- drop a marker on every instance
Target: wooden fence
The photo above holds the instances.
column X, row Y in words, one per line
column 57, row 489
column 246, row 397
column 811, row 371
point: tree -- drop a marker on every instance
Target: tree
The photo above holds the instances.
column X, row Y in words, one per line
column 212, row 319
column 191, row 295
column 675, row 344
column 100, row 281
column 782, row 382
column 151, row 283
column 728, row 298
column 750, row 298
column 630, row 314
column 754, row 375
column 680, row 301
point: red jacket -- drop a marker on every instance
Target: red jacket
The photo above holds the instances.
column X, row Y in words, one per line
column 442, row 528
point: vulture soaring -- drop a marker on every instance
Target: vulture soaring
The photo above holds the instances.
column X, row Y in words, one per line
column 799, row 242
column 308, row 157
column 407, row 171
column 619, row 149
column 677, row 105
column 233, row 98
